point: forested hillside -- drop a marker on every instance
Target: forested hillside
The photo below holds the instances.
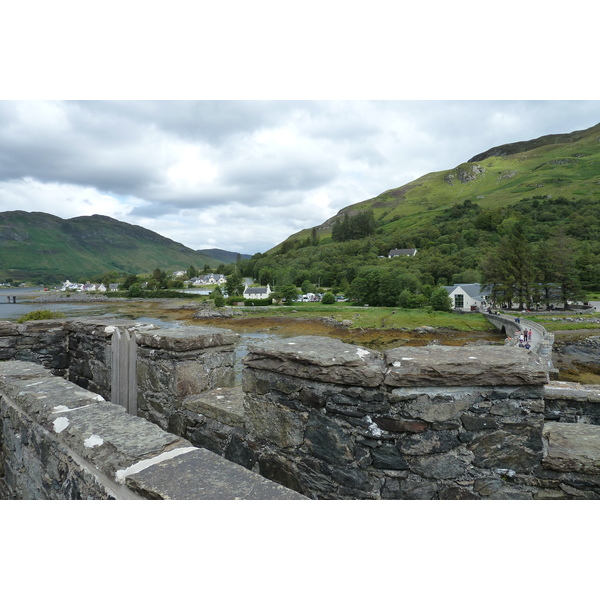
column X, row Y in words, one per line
column 40, row 247
column 524, row 218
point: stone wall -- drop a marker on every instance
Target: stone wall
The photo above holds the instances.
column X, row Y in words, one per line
column 332, row 420
column 173, row 364
column 59, row 441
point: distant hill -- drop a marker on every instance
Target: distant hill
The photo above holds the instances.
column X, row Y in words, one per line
column 549, row 187
column 558, row 164
column 41, row 247
column 223, row 256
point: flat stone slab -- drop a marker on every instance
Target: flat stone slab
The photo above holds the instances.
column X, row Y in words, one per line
column 572, row 447
column 318, row 358
column 203, row 475
column 566, row 390
column 187, row 338
column 463, row 365
column 223, row 404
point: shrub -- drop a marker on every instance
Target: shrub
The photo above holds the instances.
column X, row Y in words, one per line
column 440, row 300
column 328, row 298
column 259, row 302
column 40, row 315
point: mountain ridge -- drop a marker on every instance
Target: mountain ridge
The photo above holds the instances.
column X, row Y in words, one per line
column 40, row 246
column 508, row 173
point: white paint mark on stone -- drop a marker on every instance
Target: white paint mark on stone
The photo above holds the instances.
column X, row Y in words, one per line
column 473, row 357
column 93, row 440
column 407, row 358
column 291, row 343
column 362, row 352
column 60, row 424
column 220, row 397
column 122, row 474
column 397, row 364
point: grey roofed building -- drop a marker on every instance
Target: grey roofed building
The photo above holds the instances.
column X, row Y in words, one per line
column 402, row 252
column 467, row 295
column 257, row 293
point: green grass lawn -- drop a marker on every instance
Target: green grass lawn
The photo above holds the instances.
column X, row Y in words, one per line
column 382, row 318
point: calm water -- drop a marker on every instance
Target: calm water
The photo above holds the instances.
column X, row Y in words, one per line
column 11, row 312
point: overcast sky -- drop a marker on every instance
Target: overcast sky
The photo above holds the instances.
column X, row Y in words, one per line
column 244, row 175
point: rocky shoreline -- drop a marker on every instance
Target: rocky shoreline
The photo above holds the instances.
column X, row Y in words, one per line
column 56, row 298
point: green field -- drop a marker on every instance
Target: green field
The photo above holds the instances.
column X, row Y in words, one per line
column 378, row 317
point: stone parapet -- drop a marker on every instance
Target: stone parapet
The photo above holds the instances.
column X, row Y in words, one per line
column 59, row 441
column 172, row 367
column 477, row 366
column 438, row 425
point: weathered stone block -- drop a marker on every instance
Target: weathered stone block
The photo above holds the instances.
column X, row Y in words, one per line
column 400, row 425
column 471, row 423
column 429, row 442
column 444, row 466
column 202, row 475
column 319, row 359
column 274, row 423
column 186, row 339
column 460, row 366
column 572, row 447
column 223, row 404
column 519, row 448
column 387, row 457
column 327, row 440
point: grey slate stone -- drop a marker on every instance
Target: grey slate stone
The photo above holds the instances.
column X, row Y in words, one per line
column 187, row 338
column 318, row 358
column 572, row 447
column 465, row 365
column 223, row 404
column 202, row 475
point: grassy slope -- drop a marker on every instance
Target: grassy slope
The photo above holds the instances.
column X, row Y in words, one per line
column 380, row 317
column 569, row 165
column 40, row 246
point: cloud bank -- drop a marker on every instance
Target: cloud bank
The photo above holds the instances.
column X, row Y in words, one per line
column 244, row 175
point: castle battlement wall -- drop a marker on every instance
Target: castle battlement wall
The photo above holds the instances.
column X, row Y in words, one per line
column 325, row 419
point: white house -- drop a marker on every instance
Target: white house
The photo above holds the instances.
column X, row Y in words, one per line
column 467, row 296
column 209, row 279
column 257, row 293
column 402, row 252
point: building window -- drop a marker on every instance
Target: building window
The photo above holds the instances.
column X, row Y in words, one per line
column 459, row 301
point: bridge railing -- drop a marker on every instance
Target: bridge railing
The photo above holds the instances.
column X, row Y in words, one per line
column 540, row 344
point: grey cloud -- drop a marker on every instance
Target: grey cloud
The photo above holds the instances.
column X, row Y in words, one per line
column 209, row 120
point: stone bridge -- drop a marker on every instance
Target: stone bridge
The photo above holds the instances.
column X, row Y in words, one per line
column 314, row 418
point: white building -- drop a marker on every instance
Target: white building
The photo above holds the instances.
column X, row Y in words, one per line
column 467, row 296
column 257, row 293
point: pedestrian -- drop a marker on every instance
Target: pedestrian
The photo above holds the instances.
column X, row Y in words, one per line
column 525, row 335
column 530, row 333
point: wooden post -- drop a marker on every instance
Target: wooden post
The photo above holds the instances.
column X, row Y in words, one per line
column 124, row 370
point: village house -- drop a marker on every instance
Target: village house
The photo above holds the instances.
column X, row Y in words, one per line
column 257, row 293
column 210, row 279
column 467, row 296
column 402, row 252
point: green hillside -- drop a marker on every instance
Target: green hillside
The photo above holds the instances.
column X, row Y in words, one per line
column 565, row 164
column 40, row 247
column 538, row 191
